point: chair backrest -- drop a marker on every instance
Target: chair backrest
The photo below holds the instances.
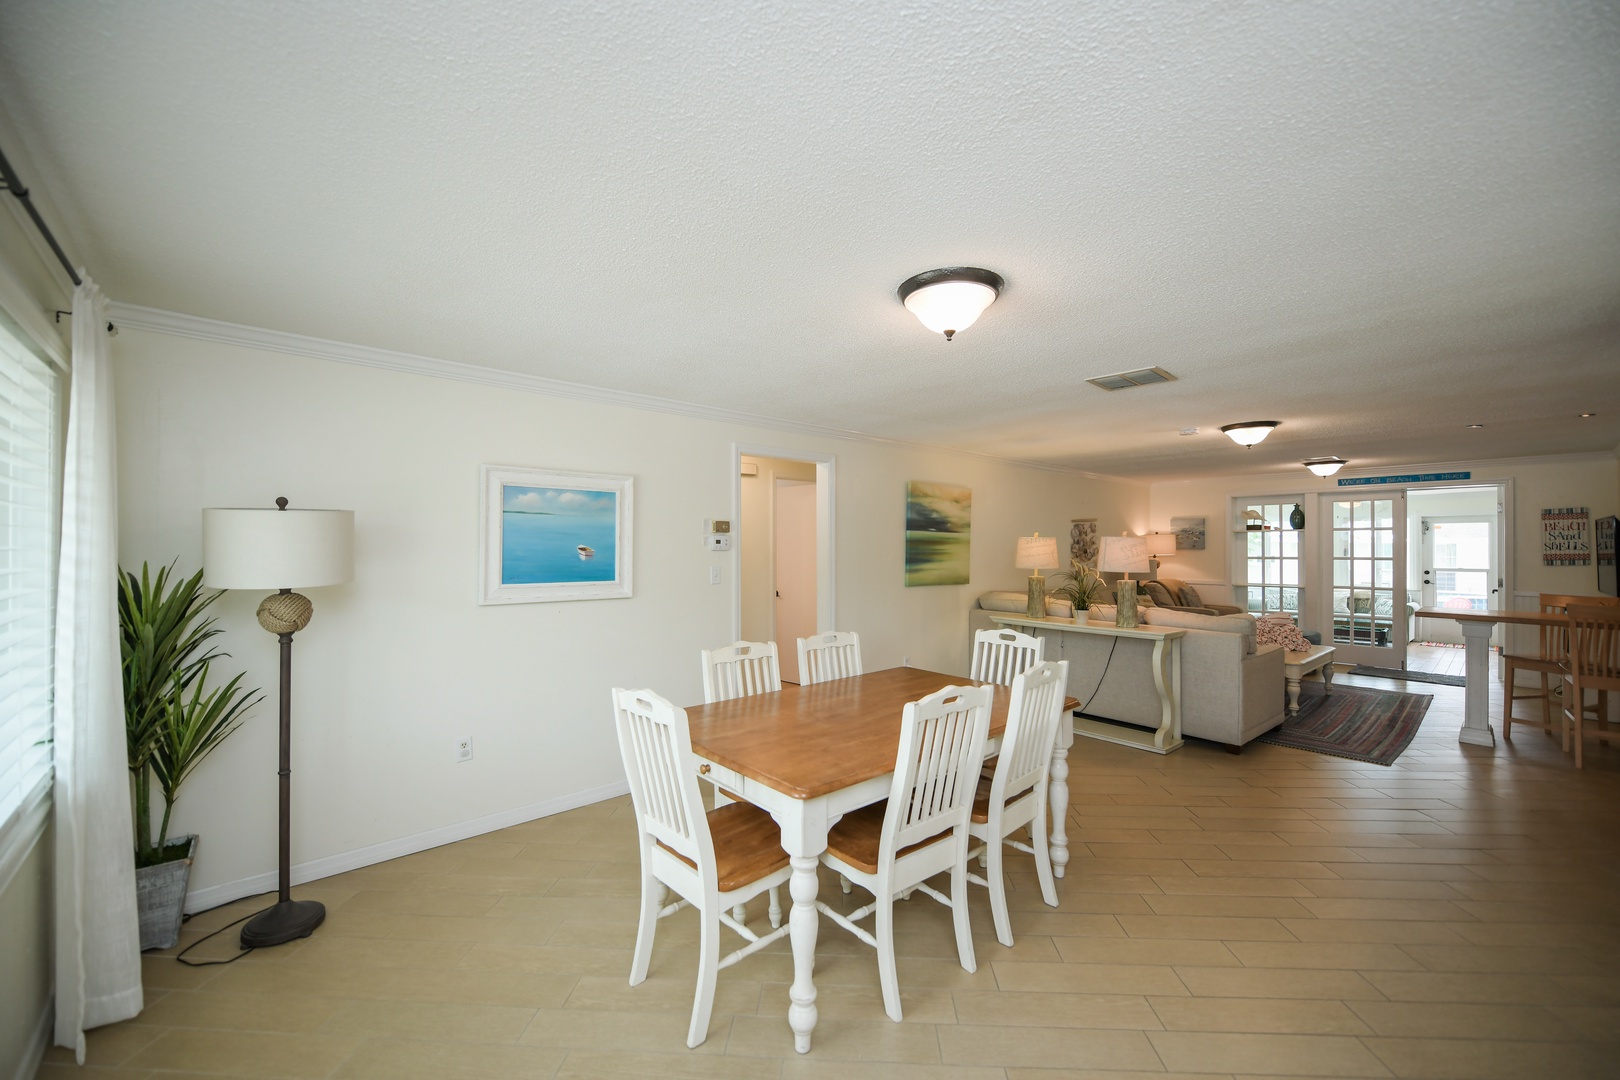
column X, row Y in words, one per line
column 936, row 772
column 1038, row 694
column 1594, row 643
column 656, row 744
column 999, row 655
column 1555, row 638
column 833, row 655
column 741, row 669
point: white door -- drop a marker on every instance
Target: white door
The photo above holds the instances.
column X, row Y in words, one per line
column 1365, row 557
column 1460, row 571
column 795, row 570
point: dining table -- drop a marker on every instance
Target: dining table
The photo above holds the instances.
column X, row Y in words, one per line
column 810, row 754
column 1477, row 627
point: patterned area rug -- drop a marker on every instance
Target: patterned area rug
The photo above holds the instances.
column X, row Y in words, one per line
column 1409, row 676
column 1352, row 722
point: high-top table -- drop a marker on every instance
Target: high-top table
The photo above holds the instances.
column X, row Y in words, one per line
column 810, row 754
column 1476, row 630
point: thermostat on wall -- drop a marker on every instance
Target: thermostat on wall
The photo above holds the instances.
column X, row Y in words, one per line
column 718, row 542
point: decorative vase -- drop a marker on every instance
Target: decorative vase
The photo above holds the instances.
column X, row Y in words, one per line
column 1296, row 520
column 160, row 897
column 1125, row 601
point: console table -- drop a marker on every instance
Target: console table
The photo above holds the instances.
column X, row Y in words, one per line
column 1166, row 644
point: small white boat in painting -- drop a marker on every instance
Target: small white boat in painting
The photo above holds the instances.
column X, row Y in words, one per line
column 586, row 552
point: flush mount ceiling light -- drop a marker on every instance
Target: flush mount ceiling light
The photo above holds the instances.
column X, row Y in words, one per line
column 1250, row 431
column 1324, row 466
column 951, row 298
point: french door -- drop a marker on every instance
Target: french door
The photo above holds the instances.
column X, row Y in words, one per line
column 1366, row 617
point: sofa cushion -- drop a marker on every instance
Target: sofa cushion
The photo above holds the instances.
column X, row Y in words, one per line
column 1161, row 595
column 1190, row 597
column 1016, row 603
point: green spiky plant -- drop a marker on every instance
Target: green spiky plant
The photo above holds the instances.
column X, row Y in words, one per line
column 171, row 721
column 1080, row 585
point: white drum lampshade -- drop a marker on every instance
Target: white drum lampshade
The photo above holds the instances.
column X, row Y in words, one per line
column 268, row 548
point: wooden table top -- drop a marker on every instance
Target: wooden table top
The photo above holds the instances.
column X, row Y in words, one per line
column 1528, row 618
column 808, row 741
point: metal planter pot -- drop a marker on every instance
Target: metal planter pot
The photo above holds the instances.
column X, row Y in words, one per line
column 160, row 898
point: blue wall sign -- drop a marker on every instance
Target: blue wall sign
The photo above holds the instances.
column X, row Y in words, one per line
column 1406, row 478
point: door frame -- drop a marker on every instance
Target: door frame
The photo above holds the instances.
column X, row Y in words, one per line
column 1392, row 655
column 1425, row 543
column 826, row 529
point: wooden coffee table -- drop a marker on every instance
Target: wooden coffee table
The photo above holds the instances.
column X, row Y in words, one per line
column 1297, row 665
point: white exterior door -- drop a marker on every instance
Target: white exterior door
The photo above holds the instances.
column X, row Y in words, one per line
column 795, row 570
column 1365, row 558
column 1460, row 571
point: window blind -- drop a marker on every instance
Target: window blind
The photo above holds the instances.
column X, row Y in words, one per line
column 29, row 466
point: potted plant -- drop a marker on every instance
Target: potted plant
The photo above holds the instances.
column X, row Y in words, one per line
column 172, row 721
column 1081, row 585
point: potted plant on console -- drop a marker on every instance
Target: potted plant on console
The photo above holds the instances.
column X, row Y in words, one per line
column 1081, row 586
column 172, row 722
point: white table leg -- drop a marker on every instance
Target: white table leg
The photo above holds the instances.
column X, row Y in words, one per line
column 1476, row 728
column 803, row 924
column 1057, row 790
column 1293, row 694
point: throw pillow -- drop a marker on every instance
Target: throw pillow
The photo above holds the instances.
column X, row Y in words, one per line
column 1278, row 629
column 1160, row 594
column 1190, row 597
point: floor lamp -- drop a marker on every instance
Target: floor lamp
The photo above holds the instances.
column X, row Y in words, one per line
column 280, row 549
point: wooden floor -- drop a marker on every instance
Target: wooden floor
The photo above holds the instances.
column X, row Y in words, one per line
column 1277, row 913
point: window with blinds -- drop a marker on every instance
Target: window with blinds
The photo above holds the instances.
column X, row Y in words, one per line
column 29, row 466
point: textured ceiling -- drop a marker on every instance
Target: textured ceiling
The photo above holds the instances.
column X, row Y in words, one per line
column 1374, row 221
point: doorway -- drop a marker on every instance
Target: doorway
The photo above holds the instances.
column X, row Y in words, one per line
column 1364, row 551
column 784, row 507
column 1457, row 544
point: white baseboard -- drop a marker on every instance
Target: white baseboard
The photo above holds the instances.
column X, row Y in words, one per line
column 39, row 1042
column 315, row 869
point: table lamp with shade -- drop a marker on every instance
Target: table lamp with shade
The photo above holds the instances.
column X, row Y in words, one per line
column 1037, row 553
column 1124, row 555
column 282, row 549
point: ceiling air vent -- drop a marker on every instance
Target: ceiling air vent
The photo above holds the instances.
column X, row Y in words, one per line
column 1127, row 379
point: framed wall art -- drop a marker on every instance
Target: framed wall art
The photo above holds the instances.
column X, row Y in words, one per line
column 1190, row 532
column 939, row 533
column 554, row 536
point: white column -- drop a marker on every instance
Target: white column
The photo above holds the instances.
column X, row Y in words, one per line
column 1476, row 729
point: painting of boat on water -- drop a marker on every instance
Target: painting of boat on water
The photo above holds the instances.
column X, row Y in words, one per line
column 554, row 536
column 939, row 527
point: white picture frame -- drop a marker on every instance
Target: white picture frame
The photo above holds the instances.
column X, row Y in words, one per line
column 548, row 536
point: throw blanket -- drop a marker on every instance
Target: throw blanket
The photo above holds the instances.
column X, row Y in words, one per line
column 1278, row 629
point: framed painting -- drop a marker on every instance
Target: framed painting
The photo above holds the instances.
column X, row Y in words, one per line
column 1189, row 533
column 939, row 531
column 554, row 536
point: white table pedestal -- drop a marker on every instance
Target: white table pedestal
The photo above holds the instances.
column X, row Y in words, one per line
column 1476, row 729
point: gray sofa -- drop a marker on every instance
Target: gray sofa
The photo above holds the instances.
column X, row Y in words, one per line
column 1232, row 689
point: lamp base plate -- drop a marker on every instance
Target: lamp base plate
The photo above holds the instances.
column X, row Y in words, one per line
column 283, row 922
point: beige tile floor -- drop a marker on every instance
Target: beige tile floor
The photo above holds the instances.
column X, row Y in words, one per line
column 1277, row 914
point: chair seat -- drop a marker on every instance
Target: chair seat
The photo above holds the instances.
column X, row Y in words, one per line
column 858, row 834
column 747, row 845
column 1534, row 663
column 981, row 800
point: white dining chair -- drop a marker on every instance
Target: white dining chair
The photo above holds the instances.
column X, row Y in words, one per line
column 712, row 861
column 1014, row 796
column 894, row 846
column 998, row 655
column 740, row 669
column 835, row 654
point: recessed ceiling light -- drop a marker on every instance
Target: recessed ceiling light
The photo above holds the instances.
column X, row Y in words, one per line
column 1249, row 432
column 1476, row 425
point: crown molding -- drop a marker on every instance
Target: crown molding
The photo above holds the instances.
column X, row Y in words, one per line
column 177, row 324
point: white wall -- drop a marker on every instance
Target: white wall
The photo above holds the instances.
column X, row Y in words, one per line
column 402, row 660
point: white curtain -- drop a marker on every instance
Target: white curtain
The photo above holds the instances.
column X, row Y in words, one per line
column 98, row 947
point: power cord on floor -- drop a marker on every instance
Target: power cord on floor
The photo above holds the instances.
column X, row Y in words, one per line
column 181, row 955
column 1113, row 644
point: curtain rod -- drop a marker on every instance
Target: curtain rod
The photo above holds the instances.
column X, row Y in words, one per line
column 14, row 186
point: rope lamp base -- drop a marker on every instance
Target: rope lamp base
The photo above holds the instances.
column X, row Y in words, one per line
column 285, row 612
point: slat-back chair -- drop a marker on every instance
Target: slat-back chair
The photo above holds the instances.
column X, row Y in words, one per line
column 835, row 654
column 1594, row 664
column 678, row 849
column 892, row 847
column 999, row 655
column 740, row 669
column 1547, row 660
column 1015, row 795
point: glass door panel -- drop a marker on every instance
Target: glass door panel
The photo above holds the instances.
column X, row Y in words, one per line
column 1366, row 619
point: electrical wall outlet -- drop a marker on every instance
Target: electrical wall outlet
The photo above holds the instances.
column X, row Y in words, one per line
column 714, row 575
column 464, row 748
